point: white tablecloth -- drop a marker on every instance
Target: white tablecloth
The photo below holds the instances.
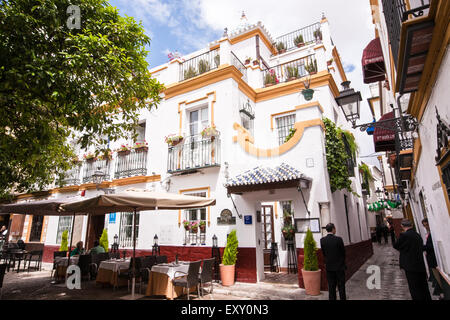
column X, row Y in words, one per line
column 115, row 265
column 170, row 269
column 62, row 261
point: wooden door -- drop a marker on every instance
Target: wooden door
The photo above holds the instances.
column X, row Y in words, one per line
column 95, row 228
column 267, row 226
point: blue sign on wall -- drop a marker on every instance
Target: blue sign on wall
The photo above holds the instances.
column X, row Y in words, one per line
column 248, row 219
column 112, row 217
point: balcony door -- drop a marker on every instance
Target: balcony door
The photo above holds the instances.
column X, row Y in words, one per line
column 194, row 148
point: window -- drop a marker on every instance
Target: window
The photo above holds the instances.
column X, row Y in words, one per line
column 284, row 124
column 247, row 122
column 36, row 228
column 196, row 214
column 198, row 120
column 64, row 223
column 126, row 229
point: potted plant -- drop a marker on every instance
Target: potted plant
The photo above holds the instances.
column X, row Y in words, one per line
column 172, row 140
column 292, row 73
column 202, row 226
column 210, row 131
column 256, row 62
column 103, row 241
column 298, row 41
column 64, row 242
column 193, row 226
column 288, row 232
column 89, row 157
column 311, row 67
column 330, row 62
column 189, row 73
column 248, row 60
column 217, row 60
column 281, row 47
column 186, row 225
column 203, row 66
column 140, row 146
column 229, row 258
column 270, row 78
column 310, row 271
column 107, row 155
column 123, row 150
column 318, row 35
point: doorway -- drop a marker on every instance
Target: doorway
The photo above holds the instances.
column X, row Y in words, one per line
column 36, row 229
column 96, row 224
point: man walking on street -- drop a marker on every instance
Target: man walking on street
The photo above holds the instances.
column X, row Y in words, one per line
column 334, row 252
column 410, row 245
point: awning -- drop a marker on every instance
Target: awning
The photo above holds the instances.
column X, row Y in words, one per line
column 373, row 62
column 263, row 178
column 384, row 139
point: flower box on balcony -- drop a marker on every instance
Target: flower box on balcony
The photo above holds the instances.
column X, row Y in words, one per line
column 173, row 140
column 210, row 132
column 140, row 146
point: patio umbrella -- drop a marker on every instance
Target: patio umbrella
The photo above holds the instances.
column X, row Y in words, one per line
column 135, row 200
column 48, row 207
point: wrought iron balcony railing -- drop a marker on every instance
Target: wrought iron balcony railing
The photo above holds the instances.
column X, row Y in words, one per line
column 71, row 177
column 194, row 152
column 200, row 64
column 398, row 11
column 91, row 166
column 310, row 34
column 290, row 70
column 131, row 163
column 239, row 65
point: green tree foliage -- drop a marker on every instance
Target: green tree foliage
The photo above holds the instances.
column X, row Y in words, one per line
column 230, row 252
column 55, row 81
column 104, row 240
column 64, row 243
column 336, row 157
column 310, row 262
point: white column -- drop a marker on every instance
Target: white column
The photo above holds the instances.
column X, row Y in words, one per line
column 225, row 51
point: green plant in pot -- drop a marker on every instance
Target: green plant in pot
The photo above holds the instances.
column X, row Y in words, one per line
column 310, row 271
column 189, row 73
column 104, row 240
column 203, row 66
column 64, row 243
column 292, row 73
column 281, row 47
column 229, row 258
column 312, row 67
column 217, row 60
column 298, row 41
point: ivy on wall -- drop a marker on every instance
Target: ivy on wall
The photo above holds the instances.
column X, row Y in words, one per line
column 336, row 157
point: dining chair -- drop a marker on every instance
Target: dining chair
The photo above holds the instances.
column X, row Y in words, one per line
column 85, row 264
column 161, row 259
column 2, row 275
column 36, row 257
column 146, row 268
column 189, row 279
column 96, row 261
column 128, row 274
column 206, row 275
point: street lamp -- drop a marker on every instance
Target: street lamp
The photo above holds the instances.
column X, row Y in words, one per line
column 115, row 245
column 214, row 241
column 349, row 101
column 155, row 249
column 378, row 192
column 97, row 177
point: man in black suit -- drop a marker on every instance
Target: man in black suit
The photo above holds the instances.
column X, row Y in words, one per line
column 410, row 245
column 334, row 252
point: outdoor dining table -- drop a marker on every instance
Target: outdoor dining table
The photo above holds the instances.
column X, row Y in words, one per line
column 17, row 255
column 61, row 265
column 160, row 280
column 108, row 271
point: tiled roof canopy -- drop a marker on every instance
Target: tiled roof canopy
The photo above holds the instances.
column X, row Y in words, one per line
column 281, row 176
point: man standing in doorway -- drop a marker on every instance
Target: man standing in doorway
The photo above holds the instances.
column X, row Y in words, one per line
column 334, row 252
column 410, row 245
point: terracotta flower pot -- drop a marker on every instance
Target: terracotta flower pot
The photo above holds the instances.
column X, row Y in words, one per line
column 141, row 149
column 311, row 279
column 247, row 61
column 299, row 45
column 227, row 274
column 123, row 153
column 269, row 84
column 255, row 62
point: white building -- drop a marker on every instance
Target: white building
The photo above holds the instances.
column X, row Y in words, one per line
column 250, row 169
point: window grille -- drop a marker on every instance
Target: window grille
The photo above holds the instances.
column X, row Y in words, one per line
column 64, row 223
column 126, row 229
column 284, row 124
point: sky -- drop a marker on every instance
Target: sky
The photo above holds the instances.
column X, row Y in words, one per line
column 189, row 25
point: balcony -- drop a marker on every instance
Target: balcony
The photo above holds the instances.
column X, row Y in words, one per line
column 200, row 64
column 71, row 177
column 131, row 163
column 90, row 166
column 410, row 31
column 310, row 34
column 193, row 153
column 239, row 65
column 291, row 70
